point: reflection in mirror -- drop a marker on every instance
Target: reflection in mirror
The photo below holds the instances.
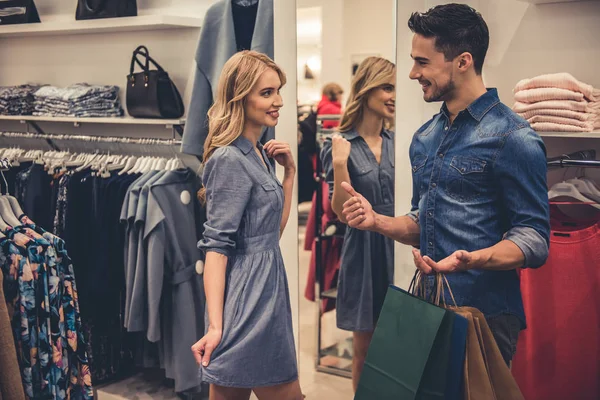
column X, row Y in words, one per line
column 346, row 86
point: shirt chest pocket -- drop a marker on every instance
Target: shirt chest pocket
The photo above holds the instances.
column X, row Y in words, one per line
column 418, row 166
column 466, row 178
column 272, row 193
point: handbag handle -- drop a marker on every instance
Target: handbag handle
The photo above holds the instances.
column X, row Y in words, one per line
column 92, row 9
column 143, row 51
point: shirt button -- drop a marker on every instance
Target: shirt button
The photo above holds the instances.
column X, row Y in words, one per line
column 430, row 214
column 441, row 155
column 433, row 184
column 431, row 243
column 446, row 128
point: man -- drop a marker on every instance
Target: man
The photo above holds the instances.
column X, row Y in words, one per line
column 480, row 203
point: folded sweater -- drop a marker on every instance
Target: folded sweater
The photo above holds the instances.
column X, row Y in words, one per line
column 588, row 125
column 561, row 80
column 581, row 106
column 552, row 127
column 543, row 94
column 579, row 116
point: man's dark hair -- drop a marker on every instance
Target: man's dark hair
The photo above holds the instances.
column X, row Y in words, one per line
column 457, row 28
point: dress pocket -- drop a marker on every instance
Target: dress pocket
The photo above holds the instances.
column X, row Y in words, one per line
column 465, row 178
column 272, row 191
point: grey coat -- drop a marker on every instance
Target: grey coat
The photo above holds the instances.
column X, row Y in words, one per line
column 128, row 215
column 217, row 44
column 175, row 296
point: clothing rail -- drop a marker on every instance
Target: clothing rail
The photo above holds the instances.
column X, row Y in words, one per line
column 564, row 163
column 581, row 159
column 87, row 138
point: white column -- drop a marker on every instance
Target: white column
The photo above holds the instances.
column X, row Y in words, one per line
column 285, row 57
column 410, row 108
column 332, row 54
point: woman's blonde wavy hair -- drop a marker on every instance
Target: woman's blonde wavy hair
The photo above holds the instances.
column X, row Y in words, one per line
column 372, row 73
column 226, row 116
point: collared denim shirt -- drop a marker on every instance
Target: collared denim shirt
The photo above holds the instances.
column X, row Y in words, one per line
column 477, row 182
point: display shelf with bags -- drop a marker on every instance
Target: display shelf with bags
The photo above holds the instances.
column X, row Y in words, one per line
column 107, row 25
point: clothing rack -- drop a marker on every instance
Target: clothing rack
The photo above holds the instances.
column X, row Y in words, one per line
column 320, row 236
column 580, row 159
column 86, row 138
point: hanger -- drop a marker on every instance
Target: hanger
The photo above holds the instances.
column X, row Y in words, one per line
column 7, row 212
column 586, row 189
column 569, row 191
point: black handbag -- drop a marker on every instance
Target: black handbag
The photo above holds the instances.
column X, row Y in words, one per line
column 96, row 9
column 18, row 12
column 151, row 93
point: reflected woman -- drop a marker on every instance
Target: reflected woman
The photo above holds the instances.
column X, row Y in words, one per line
column 363, row 154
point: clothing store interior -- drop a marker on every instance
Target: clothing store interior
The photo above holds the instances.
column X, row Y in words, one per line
column 108, row 250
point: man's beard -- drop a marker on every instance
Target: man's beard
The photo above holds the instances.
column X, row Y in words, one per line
column 441, row 92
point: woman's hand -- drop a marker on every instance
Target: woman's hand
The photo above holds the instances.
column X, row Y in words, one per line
column 204, row 347
column 282, row 153
column 340, row 149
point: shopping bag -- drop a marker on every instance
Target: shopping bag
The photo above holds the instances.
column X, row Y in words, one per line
column 486, row 374
column 454, row 380
column 409, row 352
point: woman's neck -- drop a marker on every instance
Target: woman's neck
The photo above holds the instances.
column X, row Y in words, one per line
column 252, row 132
column 371, row 125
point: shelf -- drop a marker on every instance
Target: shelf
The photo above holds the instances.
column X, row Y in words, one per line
column 571, row 135
column 553, row 1
column 113, row 120
column 125, row 24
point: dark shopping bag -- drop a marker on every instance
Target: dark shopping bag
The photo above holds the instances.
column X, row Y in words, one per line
column 410, row 351
column 96, row 9
column 18, row 12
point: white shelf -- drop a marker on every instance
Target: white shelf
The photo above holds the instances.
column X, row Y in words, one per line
column 571, row 135
column 553, row 1
column 125, row 24
column 75, row 120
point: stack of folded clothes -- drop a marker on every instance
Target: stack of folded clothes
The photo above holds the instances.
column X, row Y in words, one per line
column 558, row 102
column 80, row 100
column 17, row 100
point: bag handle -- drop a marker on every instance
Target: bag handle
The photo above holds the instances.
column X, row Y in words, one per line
column 101, row 5
column 438, row 297
column 143, row 51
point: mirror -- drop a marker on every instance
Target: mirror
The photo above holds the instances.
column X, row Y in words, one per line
column 334, row 38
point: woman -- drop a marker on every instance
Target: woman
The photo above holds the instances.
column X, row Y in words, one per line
column 330, row 103
column 249, row 343
column 364, row 155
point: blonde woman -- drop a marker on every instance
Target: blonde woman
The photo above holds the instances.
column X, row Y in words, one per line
column 249, row 344
column 363, row 154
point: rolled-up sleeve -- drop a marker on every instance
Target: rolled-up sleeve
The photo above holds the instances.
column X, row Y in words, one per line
column 521, row 171
column 414, row 203
column 327, row 163
column 228, row 189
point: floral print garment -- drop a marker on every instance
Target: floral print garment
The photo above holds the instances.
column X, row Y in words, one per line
column 23, row 279
column 40, row 289
column 68, row 342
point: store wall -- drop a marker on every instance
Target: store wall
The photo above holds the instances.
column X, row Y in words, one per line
column 525, row 40
column 563, row 37
column 102, row 59
column 105, row 58
column 351, row 31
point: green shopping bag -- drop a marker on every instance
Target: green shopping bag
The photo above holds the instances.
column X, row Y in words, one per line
column 410, row 350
